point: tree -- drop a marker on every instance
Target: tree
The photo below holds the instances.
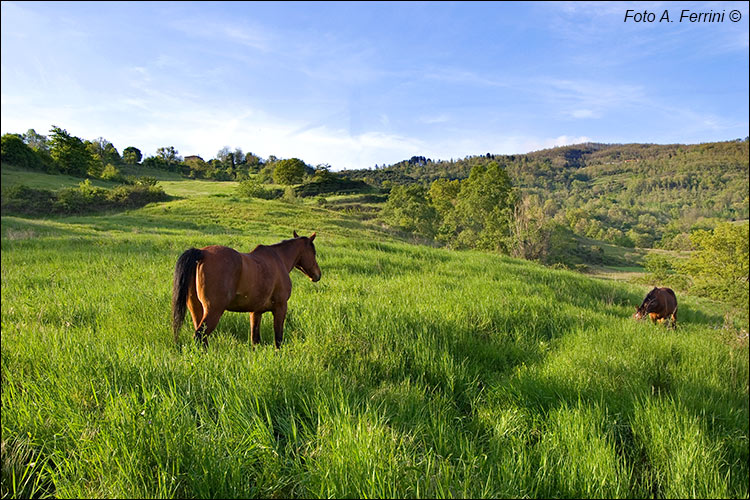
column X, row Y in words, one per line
column 69, row 152
column 132, row 155
column 13, row 151
column 530, row 229
column 483, row 209
column 104, row 150
column 239, row 157
column 35, row 141
column 289, row 171
column 169, row 154
column 253, row 162
column 408, row 208
column 443, row 194
column 719, row 266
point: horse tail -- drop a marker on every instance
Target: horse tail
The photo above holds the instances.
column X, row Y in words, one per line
column 184, row 275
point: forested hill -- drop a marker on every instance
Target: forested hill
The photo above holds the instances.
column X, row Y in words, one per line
column 625, row 193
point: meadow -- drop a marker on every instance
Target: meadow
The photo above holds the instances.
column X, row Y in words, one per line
column 407, row 371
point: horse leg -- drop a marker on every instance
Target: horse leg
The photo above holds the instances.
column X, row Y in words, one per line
column 195, row 307
column 279, row 315
column 255, row 327
column 207, row 325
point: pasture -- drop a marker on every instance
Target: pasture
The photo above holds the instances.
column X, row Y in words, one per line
column 406, row 371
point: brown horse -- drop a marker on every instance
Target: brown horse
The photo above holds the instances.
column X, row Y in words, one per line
column 659, row 304
column 216, row 278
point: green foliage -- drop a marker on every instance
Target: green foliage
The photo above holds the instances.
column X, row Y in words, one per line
column 15, row 152
column 35, row 141
column 85, row 198
column 408, row 209
column 482, row 212
column 473, row 213
column 20, row 199
column 325, row 182
column 103, row 151
column 289, row 195
column 443, row 195
column 251, row 188
column 70, row 153
column 145, row 180
column 718, row 267
column 658, row 265
column 530, row 230
column 641, row 195
column 169, row 154
column 111, row 173
column 289, row 171
column 132, row 155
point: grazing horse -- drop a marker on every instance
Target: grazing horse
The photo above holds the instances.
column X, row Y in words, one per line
column 659, row 304
column 216, row 278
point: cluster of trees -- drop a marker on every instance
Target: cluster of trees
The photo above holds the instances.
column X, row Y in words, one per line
column 642, row 195
column 483, row 211
column 62, row 152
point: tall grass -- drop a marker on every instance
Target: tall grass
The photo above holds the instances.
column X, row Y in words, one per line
column 407, row 371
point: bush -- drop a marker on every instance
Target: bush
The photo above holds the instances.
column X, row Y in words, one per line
column 84, row 198
column 251, row 188
column 15, row 152
column 25, row 200
column 111, row 173
column 325, row 182
column 658, row 266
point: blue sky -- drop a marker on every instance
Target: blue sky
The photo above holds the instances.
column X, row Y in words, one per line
column 364, row 83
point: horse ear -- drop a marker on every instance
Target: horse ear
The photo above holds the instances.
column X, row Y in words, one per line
column 312, row 236
column 295, row 234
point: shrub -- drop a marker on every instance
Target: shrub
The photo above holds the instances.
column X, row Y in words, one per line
column 81, row 199
column 657, row 265
column 251, row 188
column 15, row 152
column 26, row 200
column 110, row 173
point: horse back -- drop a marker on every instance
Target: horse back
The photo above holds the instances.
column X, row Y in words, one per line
column 218, row 273
column 665, row 302
column 262, row 282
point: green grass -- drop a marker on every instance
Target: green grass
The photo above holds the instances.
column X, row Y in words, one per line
column 407, row 371
column 184, row 188
column 173, row 184
column 11, row 175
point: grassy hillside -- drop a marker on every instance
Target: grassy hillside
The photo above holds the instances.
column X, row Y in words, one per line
column 640, row 195
column 407, row 371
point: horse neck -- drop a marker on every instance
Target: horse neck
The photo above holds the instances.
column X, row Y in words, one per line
column 288, row 251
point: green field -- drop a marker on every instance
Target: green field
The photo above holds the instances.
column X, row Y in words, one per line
column 407, row 371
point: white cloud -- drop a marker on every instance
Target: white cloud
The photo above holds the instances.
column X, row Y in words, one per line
column 583, row 113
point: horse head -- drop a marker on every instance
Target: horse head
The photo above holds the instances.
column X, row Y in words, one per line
column 306, row 261
column 642, row 310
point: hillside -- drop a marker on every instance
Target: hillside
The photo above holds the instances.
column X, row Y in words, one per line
column 407, row 371
column 640, row 195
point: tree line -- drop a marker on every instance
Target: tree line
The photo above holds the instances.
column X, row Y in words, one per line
column 62, row 152
column 632, row 195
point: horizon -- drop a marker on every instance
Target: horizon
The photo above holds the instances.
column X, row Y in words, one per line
column 359, row 84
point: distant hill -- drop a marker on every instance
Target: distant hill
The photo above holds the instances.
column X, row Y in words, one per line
column 629, row 194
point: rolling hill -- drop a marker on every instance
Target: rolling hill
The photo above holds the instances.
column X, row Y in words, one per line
column 407, row 371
